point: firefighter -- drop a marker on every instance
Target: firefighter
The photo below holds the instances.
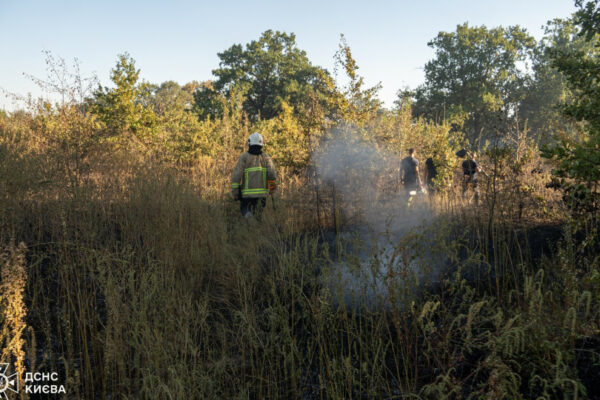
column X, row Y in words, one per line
column 253, row 177
column 409, row 173
column 470, row 174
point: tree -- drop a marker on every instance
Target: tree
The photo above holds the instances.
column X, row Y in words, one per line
column 354, row 102
column 548, row 88
column 269, row 71
column 476, row 75
column 170, row 96
column 208, row 102
column 178, row 126
column 123, row 109
column 62, row 124
column 577, row 158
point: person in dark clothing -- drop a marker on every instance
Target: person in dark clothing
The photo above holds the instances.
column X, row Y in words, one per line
column 470, row 174
column 250, row 207
column 409, row 172
column 430, row 174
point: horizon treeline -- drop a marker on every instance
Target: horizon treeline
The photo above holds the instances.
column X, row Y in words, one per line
column 480, row 80
column 483, row 87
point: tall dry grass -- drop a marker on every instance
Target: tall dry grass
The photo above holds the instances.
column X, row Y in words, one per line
column 155, row 288
column 140, row 280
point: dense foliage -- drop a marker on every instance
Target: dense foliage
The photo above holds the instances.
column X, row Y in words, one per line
column 475, row 75
column 268, row 71
column 578, row 156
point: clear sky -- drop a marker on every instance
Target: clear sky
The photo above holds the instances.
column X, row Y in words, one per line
column 179, row 40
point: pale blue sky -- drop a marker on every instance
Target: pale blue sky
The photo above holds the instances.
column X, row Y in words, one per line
column 179, row 40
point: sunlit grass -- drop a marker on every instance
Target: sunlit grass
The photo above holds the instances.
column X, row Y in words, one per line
column 156, row 288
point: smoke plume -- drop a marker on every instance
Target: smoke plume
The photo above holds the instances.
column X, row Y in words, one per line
column 378, row 215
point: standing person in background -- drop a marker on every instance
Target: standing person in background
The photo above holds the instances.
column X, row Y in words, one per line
column 430, row 175
column 470, row 174
column 253, row 178
column 409, row 173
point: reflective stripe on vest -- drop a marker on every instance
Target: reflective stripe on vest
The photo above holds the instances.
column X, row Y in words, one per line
column 254, row 191
column 264, row 179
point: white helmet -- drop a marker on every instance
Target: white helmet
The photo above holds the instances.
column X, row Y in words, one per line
column 256, row 139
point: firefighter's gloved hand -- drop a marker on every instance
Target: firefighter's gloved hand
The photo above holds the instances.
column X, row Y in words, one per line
column 271, row 185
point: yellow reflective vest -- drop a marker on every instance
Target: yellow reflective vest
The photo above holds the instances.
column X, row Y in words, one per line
column 253, row 176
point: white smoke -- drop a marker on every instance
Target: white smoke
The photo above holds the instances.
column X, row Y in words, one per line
column 366, row 181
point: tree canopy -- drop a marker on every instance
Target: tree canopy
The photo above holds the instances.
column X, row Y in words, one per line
column 547, row 87
column 122, row 108
column 477, row 75
column 269, row 71
column 578, row 157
